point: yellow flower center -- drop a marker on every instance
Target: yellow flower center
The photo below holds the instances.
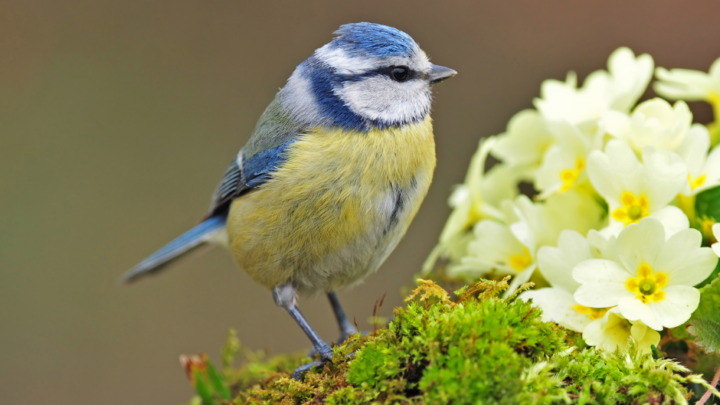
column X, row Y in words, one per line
column 521, row 261
column 714, row 100
column 569, row 176
column 647, row 286
column 697, row 182
column 592, row 313
column 633, row 208
column 706, row 225
column 687, row 205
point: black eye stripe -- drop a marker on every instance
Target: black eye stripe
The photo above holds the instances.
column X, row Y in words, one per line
column 400, row 73
column 410, row 74
column 386, row 71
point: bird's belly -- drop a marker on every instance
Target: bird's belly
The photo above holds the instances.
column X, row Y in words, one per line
column 335, row 210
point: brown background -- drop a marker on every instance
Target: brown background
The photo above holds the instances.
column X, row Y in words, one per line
column 118, row 118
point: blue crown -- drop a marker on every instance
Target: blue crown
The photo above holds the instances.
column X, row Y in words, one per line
column 376, row 40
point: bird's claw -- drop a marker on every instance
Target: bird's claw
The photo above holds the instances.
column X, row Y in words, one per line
column 299, row 372
column 326, row 354
column 342, row 339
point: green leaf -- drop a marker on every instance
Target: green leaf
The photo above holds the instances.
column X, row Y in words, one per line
column 202, row 388
column 216, row 381
column 707, row 204
column 705, row 321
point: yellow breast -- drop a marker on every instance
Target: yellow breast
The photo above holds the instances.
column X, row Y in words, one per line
column 335, row 209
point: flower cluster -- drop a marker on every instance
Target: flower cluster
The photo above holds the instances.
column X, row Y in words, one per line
column 611, row 228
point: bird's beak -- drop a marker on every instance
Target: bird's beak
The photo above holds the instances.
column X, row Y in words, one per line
column 440, row 73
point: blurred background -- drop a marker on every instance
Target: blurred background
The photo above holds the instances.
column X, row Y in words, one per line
column 117, row 120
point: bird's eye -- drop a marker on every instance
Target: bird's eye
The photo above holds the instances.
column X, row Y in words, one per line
column 400, row 73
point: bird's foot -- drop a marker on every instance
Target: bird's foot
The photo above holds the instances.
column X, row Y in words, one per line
column 342, row 339
column 325, row 353
column 299, row 372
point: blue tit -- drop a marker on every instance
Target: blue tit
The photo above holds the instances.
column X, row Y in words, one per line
column 332, row 175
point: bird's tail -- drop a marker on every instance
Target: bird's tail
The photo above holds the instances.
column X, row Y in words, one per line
column 209, row 230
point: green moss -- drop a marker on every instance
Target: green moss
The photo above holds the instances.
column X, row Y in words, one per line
column 479, row 349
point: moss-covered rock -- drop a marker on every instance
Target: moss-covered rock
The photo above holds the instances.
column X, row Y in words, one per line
column 474, row 349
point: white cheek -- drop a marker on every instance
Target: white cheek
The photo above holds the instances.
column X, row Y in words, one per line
column 380, row 98
column 299, row 99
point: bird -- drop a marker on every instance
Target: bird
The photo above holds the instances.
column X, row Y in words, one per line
column 331, row 177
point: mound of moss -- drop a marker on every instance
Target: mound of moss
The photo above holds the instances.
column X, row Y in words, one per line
column 473, row 349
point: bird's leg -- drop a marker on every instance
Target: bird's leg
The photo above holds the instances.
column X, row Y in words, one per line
column 286, row 297
column 346, row 328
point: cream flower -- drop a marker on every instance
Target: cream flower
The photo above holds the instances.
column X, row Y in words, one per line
column 652, row 280
column 563, row 166
column 716, row 232
column 703, row 169
column 636, row 190
column 556, row 264
column 559, row 306
column 653, row 123
column 474, row 200
column 512, row 249
column 479, row 197
column 613, row 332
column 540, row 224
column 525, row 141
column 630, row 76
column 494, row 249
column 691, row 85
column 619, row 89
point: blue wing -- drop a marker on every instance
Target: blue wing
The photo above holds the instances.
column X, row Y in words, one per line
column 245, row 174
column 265, row 152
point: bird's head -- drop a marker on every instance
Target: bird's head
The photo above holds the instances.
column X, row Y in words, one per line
column 369, row 76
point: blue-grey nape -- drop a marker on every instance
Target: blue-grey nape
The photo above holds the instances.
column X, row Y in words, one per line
column 373, row 40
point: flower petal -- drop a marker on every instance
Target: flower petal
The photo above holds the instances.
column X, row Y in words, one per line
column 633, row 309
column 603, row 283
column 677, row 307
column 607, row 170
column 651, row 338
column 711, row 170
column 602, row 246
column 694, row 149
column 640, row 243
column 525, row 139
column 672, row 219
column 556, row 264
column 520, row 279
column 665, row 175
column 684, row 261
column 616, row 124
column 630, row 75
column 609, row 333
column 612, row 230
column 557, row 306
